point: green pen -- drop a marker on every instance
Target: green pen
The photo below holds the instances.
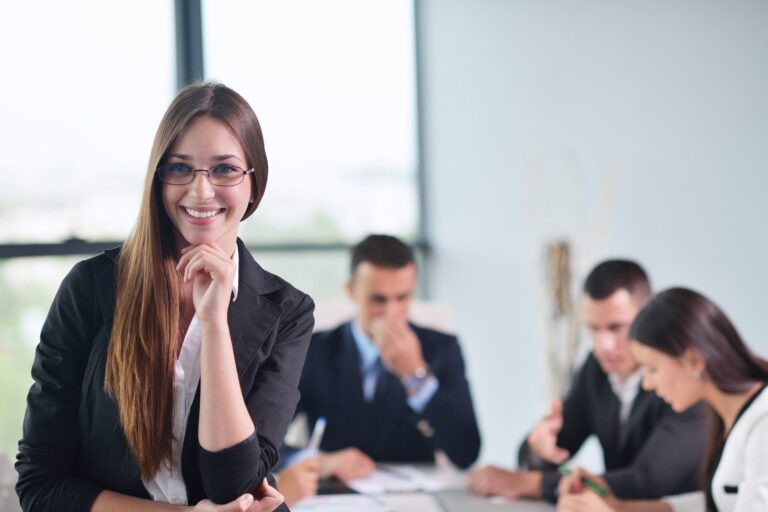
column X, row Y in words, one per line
column 589, row 484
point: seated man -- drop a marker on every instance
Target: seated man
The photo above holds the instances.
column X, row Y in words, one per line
column 389, row 390
column 649, row 451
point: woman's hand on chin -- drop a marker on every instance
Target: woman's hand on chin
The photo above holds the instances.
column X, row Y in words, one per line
column 211, row 272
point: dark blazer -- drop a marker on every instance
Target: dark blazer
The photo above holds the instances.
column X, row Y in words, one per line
column 656, row 453
column 73, row 446
column 387, row 429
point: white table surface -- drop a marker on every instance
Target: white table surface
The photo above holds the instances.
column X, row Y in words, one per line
column 454, row 498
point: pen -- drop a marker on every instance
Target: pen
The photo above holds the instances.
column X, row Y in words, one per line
column 317, row 436
column 589, row 484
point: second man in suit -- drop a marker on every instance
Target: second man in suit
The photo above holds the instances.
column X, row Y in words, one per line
column 649, row 451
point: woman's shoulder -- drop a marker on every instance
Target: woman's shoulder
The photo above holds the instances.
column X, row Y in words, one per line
column 757, row 412
column 268, row 285
column 752, row 425
column 91, row 270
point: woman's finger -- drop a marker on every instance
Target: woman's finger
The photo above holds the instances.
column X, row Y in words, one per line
column 270, row 500
column 191, row 251
column 209, row 263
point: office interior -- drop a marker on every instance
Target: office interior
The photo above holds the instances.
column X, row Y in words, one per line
column 625, row 129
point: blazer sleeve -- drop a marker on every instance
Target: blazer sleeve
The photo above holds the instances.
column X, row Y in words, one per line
column 450, row 413
column 576, row 429
column 271, row 402
column 50, row 442
column 668, row 461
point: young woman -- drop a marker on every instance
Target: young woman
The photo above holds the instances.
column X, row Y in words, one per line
column 690, row 351
column 167, row 369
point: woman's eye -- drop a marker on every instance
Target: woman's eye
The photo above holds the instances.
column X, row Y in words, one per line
column 177, row 168
column 223, row 170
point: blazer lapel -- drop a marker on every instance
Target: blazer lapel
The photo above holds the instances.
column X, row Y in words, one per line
column 252, row 316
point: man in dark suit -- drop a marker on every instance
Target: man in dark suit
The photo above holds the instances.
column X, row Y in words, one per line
column 389, row 390
column 649, row 451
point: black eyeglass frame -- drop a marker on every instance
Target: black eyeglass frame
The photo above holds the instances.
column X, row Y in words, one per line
column 194, row 172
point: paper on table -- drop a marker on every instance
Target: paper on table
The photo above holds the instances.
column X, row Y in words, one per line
column 340, row 503
column 395, row 479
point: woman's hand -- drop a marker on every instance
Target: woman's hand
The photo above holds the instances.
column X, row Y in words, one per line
column 575, row 496
column 585, row 501
column 573, row 483
column 270, row 499
column 211, row 272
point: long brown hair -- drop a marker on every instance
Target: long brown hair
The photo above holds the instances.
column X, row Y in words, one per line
column 147, row 321
column 678, row 319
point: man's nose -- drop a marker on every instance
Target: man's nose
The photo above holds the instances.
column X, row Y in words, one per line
column 393, row 309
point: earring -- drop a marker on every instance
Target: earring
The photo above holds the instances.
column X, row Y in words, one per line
column 697, row 373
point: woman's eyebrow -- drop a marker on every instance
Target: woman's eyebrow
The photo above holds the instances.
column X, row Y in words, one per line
column 180, row 156
column 217, row 158
column 220, row 158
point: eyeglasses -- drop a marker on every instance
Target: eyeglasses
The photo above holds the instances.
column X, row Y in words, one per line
column 222, row 175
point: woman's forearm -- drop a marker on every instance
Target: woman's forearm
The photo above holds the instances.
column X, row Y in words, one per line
column 224, row 418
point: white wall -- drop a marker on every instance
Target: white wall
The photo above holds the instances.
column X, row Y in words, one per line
column 634, row 129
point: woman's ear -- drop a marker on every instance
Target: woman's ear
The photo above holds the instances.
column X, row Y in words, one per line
column 695, row 360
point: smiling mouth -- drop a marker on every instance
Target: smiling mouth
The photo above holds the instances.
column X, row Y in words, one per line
column 202, row 214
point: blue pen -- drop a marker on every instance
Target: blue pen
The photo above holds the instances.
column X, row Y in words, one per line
column 313, row 447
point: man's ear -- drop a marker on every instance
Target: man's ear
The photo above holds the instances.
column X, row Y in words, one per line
column 348, row 287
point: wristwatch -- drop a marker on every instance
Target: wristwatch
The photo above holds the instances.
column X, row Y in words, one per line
column 415, row 380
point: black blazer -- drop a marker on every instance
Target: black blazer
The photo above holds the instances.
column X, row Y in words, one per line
column 73, row 446
column 387, row 429
column 656, row 453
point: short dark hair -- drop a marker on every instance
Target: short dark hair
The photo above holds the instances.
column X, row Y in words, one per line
column 612, row 275
column 381, row 251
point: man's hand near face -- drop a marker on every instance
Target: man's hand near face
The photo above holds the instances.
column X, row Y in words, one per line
column 399, row 347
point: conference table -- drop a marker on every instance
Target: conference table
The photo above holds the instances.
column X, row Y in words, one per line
column 451, row 496
column 458, row 500
column 446, row 494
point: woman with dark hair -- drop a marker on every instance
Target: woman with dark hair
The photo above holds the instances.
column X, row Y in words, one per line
column 167, row 369
column 690, row 351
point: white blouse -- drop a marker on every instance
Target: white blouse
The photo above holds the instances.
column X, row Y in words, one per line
column 168, row 483
column 740, row 482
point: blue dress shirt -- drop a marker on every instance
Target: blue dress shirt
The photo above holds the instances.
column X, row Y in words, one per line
column 371, row 367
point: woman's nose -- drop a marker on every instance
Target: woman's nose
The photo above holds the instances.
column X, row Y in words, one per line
column 201, row 185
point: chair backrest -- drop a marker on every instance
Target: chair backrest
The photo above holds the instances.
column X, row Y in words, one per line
column 329, row 314
column 8, row 500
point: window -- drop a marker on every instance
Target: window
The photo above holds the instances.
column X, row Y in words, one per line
column 81, row 101
column 333, row 84
column 334, row 89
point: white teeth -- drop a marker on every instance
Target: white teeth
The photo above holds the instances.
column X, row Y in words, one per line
column 201, row 215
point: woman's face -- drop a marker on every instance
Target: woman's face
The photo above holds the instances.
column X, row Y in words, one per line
column 673, row 379
column 203, row 213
